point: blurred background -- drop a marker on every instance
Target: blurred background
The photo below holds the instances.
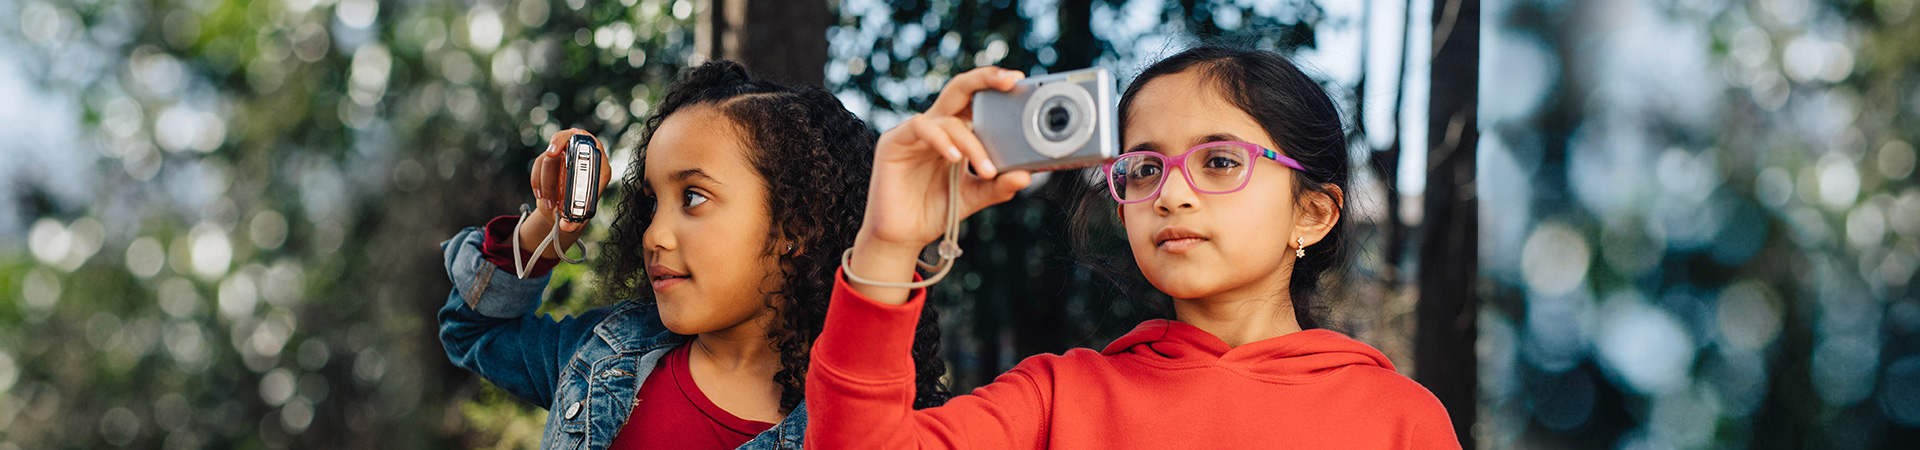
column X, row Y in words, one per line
column 1584, row 223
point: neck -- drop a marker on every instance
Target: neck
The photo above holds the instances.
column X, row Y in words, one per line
column 742, row 348
column 1240, row 316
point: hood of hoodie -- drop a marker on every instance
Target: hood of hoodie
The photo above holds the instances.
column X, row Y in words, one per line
column 1296, row 356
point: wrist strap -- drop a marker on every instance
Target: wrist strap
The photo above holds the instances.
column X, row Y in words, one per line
column 519, row 268
column 949, row 243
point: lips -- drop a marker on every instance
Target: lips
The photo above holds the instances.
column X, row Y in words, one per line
column 663, row 277
column 1177, row 240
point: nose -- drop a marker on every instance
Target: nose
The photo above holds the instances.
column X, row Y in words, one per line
column 1175, row 193
column 659, row 235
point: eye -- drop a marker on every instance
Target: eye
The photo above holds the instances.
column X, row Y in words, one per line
column 1222, row 162
column 692, row 199
column 1145, row 170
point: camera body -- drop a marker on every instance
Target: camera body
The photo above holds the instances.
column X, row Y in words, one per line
column 582, row 181
column 1050, row 122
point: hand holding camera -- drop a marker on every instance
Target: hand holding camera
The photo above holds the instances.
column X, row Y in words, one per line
column 1053, row 122
column 567, row 179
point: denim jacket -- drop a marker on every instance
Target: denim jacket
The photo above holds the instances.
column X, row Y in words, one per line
column 584, row 369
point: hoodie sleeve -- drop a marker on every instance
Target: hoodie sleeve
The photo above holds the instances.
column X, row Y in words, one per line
column 860, row 387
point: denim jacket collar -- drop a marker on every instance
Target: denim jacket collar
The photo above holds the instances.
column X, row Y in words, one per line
column 634, row 327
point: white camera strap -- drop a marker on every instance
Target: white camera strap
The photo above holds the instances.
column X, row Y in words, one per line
column 949, row 243
column 520, row 268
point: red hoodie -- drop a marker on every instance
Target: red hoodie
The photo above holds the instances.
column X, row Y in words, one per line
column 1164, row 385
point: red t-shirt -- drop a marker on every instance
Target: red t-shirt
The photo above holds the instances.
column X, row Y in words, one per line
column 670, row 412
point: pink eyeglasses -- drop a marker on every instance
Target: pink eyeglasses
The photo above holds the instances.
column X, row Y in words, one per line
column 1223, row 169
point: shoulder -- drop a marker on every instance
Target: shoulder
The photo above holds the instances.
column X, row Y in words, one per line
column 1392, row 391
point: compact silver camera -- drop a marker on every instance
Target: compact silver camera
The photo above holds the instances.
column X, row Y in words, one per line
column 1051, row 122
column 582, row 188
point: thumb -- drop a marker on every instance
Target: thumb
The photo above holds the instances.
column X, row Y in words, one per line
column 1010, row 183
column 571, row 226
column 981, row 193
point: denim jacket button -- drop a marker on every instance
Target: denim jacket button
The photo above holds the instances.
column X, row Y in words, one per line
column 573, row 410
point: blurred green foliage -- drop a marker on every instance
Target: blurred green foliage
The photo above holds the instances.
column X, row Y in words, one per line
column 1702, row 225
column 255, row 262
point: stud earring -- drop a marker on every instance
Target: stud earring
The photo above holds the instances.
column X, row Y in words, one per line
column 1300, row 247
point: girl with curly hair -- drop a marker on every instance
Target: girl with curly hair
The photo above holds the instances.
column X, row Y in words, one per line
column 724, row 249
column 1230, row 193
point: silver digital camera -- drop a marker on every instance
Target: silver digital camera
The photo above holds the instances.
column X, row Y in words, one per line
column 1050, row 122
column 582, row 190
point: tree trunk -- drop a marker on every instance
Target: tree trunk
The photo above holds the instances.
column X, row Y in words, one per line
column 1443, row 357
column 783, row 40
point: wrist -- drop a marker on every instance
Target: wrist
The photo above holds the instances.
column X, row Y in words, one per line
column 873, row 246
column 531, row 232
column 883, row 262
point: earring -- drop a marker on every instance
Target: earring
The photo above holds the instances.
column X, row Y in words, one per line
column 1300, row 247
column 789, row 247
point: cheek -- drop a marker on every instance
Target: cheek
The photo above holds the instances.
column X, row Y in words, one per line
column 729, row 264
column 1137, row 220
column 1260, row 226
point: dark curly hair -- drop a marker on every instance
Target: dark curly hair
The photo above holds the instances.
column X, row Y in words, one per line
column 1296, row 113
column 816, row 159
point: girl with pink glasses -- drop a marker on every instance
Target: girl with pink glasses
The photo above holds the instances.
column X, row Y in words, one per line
column 1231, row 190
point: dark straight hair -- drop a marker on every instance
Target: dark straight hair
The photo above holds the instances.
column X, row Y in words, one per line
column 1299, row 117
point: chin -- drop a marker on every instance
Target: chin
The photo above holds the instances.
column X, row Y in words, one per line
column 679, row 320
column 1182, row 284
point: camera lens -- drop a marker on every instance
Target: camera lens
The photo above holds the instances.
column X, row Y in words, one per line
column 1057, row 118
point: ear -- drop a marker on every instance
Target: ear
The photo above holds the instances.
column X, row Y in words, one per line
column 1318, row 213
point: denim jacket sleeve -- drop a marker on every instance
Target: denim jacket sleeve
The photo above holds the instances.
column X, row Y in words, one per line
column 488, row 324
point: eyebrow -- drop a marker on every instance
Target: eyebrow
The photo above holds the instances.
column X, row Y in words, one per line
column 680, row 176
column 690, row 173
column 1215, row 137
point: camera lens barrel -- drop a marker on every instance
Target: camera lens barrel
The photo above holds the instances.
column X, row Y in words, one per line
column 1058, row 117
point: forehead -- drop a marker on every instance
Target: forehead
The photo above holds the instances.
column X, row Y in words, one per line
column 698, row 137
column 1177, row 111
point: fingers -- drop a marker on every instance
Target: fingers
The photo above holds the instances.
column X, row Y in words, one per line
column 958, row 93
column 549, row 169
column 936, row 138
column 967, row 143
column 534, row 172
column 560, row 139
column 546, row 180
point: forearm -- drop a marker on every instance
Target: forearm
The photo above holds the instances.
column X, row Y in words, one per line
column 860, row 385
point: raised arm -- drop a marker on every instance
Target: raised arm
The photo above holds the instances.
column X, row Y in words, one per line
column 488, row 323
column 860, row 385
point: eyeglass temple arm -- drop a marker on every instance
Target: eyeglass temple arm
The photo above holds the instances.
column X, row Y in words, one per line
column 1283, row 160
